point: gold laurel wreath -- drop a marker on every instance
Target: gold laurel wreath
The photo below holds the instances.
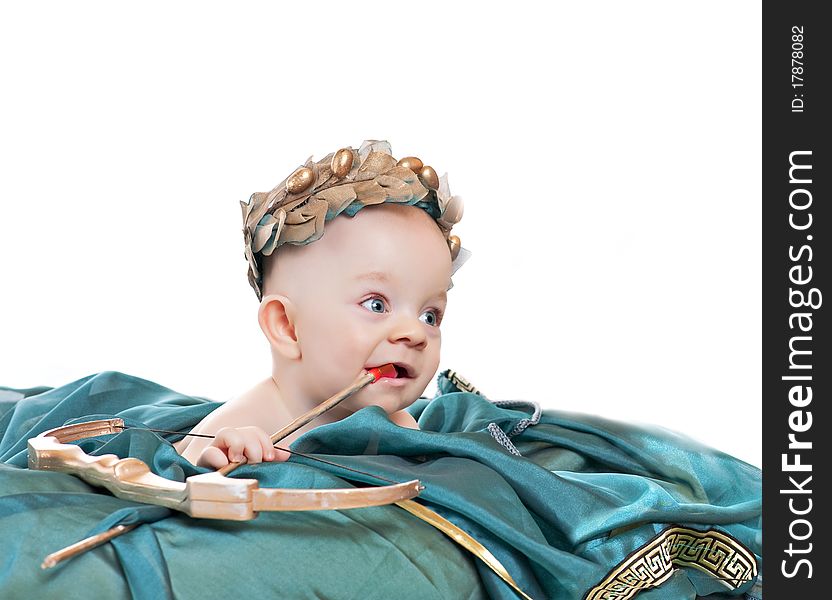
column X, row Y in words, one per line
column 296, row 210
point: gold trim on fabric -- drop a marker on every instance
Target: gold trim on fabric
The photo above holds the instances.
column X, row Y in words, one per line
column 711, row 551
column 463, row 539
column 462, row 384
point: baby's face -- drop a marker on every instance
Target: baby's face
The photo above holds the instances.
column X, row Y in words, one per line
column 371, row 291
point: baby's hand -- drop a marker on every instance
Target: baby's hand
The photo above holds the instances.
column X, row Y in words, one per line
column 231, row 444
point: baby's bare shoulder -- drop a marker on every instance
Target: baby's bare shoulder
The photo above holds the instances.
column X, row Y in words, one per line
column 404, row 419
column 251, row 408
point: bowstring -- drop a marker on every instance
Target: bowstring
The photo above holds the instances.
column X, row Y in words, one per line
column 304, row 455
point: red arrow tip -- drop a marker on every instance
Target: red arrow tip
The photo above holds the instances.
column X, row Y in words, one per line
column 387, row 370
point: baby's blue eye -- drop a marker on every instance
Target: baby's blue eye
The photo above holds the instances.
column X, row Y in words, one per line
column 430, row 317
column 375, row 305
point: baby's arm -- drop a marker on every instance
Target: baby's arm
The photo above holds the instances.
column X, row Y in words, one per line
column 234, row 437
column 231, row 444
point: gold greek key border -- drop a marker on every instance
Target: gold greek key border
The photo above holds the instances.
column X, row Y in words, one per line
column 711, row 551
column 461, row 383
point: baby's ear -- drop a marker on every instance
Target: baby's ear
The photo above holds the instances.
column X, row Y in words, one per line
column 277, row 320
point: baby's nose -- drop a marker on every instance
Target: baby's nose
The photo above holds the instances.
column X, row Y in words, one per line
column 410, row 331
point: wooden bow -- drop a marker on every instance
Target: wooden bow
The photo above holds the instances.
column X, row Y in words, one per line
column 209, row 495
column 205, row 496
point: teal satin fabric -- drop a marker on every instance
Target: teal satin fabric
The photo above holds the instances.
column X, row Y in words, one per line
column 586, row 493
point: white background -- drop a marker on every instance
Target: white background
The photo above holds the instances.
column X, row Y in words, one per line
column 608, row 155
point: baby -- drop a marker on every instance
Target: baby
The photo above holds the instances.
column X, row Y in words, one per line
column 371, row 290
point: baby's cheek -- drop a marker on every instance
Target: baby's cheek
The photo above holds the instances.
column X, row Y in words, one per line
column 339, row 360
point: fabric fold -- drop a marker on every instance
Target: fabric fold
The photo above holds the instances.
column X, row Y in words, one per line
column 586, row 496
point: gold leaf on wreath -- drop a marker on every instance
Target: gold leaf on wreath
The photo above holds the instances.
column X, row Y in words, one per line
column 276, row 197
column 263, row 232
column 374, row 146
column 396, row 189
column 417, row 190
column 291, row 204
column 250, row 255
column 405, row 175
column 310, row 208
column 375, row 164
column 443, row 194
column 452, row 213
column 298, row 217
column 259, row 202
column 307, row 221
column 274, row 241
column 304, row 232
column 338, row 197
column 369, row 192
column 324, row 174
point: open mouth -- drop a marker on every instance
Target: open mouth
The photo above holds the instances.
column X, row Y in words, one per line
column 402, row 371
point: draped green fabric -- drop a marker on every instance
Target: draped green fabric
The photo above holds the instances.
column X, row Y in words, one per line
column 586, row 494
